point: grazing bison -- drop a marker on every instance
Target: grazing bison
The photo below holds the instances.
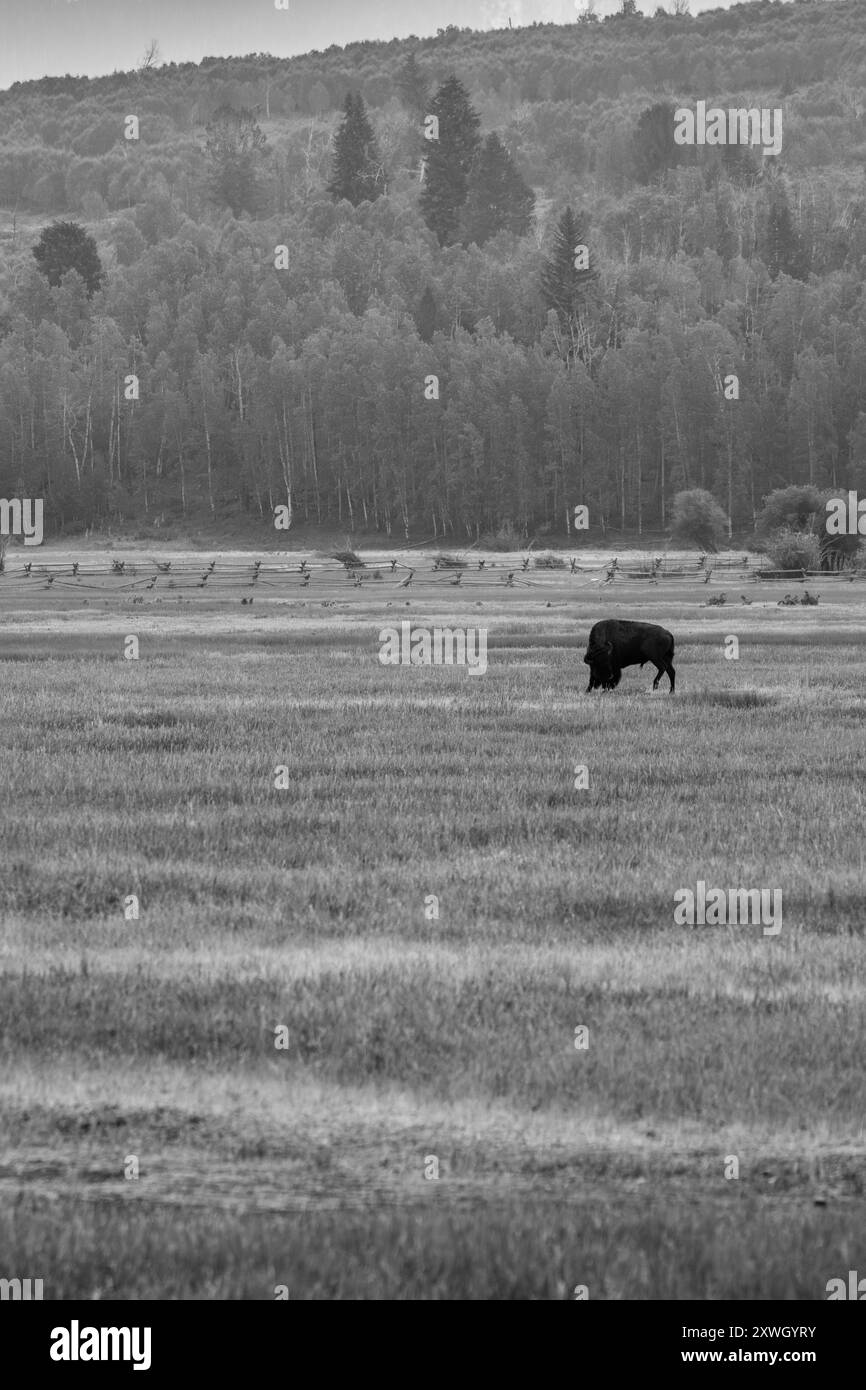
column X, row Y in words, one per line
column 615, row 643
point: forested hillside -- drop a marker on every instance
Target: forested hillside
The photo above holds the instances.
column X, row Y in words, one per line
column 425, row 356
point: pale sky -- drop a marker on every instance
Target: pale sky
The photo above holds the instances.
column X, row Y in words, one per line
column 40, row 38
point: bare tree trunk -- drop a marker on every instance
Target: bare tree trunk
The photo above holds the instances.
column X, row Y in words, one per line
column 206, row 439
column 179, row 437
column 67, row 430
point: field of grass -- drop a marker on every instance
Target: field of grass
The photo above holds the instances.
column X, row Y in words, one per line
column 411, row 1037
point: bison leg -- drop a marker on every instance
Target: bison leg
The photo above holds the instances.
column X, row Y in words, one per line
column 660, row 670
column 671, row 675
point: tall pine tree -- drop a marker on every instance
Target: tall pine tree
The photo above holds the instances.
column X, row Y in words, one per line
column 784, row 252
column 498, row 198
column 655, row 149
column 357, row 174
column 449, row 160
column 425, row 316
column 568, row 280
column 412, row 86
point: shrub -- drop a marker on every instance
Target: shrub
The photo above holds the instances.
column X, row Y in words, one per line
column 506, row 538
column 804, row 509
column 496, row 540
column 697, row 517
column 548, row 562
column 794, row 550
column 791, row 508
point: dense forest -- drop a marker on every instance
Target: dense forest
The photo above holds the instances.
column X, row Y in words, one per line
column 269, row 286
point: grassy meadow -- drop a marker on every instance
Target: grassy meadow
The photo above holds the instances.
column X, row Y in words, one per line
column 411, row 1037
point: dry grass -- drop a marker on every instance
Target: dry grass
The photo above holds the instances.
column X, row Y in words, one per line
column 410, row 1037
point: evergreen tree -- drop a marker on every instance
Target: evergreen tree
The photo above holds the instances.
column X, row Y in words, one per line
column 234, row 143
column 655, row 149
column 566, row 282
column 425, row 316
column 413, row 88
column 66, row 246
column 784, row 249
column 498, row 198
column 449, row 160
column 357, row 173
column 740, row 165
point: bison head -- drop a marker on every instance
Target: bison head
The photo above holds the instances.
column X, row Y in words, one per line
column 600, row 662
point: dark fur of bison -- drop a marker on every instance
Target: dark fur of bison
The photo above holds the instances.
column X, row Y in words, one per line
column 616, row 642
